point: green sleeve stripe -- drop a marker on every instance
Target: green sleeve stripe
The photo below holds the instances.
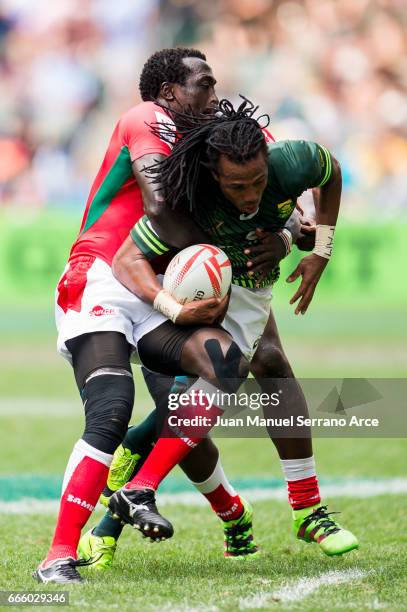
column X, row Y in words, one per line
column 140, row 242
column 148, row 236
column 153, row 236
column 328, row 167
column 144, row 240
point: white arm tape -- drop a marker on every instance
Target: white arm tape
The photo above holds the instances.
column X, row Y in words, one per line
column 167, row 305
column 324, row 240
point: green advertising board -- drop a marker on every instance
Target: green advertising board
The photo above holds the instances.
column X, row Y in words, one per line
column 368, row 262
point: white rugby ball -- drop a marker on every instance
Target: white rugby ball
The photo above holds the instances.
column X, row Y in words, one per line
column 198, row 272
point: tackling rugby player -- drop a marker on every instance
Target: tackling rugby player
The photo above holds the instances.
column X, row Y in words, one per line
column 233, row 182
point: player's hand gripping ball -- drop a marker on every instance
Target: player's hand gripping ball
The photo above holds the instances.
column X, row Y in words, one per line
column 198, row 272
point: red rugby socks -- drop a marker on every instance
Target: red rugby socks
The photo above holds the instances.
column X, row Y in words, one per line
column 84, row 480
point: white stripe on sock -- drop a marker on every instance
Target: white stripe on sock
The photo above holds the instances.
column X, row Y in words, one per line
column 94, row 453
column 80, row 450
column 298, row 469
column 218, row 477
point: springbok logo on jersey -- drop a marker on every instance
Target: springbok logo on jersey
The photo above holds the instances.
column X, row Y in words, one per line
column 99, row 311
column 285, row 208
column 169, row 133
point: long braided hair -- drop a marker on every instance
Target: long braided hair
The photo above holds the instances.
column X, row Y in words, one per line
column 233, row 133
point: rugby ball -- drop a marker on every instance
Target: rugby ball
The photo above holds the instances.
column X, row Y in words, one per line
column 198, row 272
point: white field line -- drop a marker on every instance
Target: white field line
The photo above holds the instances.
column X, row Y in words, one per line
column 354, row 489
column 300, row 589
column 41, row 407
column 55, row 408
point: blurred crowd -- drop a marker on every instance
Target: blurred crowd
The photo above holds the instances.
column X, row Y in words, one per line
column 334, row 71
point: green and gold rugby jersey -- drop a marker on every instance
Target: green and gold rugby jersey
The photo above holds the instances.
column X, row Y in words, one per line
column 293, row 165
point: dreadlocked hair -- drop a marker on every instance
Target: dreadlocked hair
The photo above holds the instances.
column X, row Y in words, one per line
column 231, row 132
column 165, row 65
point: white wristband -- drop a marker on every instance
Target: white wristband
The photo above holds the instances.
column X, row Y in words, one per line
column 287, row 238
column 324, row 240
column 167, row 305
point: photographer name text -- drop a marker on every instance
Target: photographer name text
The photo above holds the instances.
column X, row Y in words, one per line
column 258, row 421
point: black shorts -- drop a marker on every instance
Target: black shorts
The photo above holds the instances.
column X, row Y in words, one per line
column 160, row 350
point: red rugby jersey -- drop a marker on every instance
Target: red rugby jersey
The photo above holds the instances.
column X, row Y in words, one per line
column 115, row 204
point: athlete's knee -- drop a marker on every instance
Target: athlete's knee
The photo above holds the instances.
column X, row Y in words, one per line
column 108, row 397
column 225, row 361
column 95, row 350
column 270, row 361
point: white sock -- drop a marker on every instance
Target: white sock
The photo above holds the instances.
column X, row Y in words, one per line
column 298, row 469
column 80, row 450
column 218, row 477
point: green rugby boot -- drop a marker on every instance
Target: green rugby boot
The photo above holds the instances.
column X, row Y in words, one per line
column 316, row 525
column 238, row 535
column 98, row 551
column 120, row 472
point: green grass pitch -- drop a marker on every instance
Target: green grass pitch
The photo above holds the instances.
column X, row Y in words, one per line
column 40, row 418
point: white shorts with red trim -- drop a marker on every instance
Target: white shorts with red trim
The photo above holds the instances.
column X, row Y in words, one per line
column 90, row 299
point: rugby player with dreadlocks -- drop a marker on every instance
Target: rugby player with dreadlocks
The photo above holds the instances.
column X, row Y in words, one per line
column 95, row 313
column 232, row 182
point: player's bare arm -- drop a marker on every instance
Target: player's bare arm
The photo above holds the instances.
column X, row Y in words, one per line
column 311, row 267
column 131, row 267
column 306, row 238
column 175, row 227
